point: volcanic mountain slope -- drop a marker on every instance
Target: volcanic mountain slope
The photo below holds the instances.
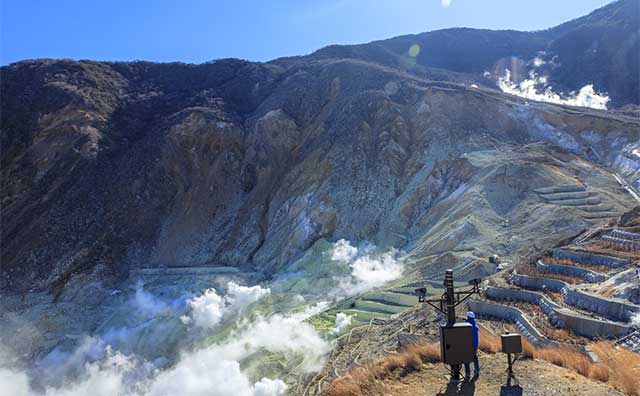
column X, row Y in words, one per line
column 578, row 299
column 108, row 166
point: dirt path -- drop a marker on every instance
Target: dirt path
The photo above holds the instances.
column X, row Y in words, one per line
column 536, row 378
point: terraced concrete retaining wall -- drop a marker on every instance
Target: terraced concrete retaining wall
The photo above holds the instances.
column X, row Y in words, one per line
column 561, row 317
column 605, row 307
column 530, row 282
column 582, row 273
column 625, row 234
column 609, row 308
column 626, row 242
column 592, row 328
column 589, row 258
column 511, row 314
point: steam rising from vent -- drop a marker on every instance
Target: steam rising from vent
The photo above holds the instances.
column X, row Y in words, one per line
column 116, row 361
column 586, row 97
column 342, row 322
column 343, row 251
column 146, row 303
column 369, row 269
column 268, row 387
column 209, row 309
column 635, row 319
column 95, row 368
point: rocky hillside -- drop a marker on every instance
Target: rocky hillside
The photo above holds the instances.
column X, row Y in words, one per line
column 108, row 167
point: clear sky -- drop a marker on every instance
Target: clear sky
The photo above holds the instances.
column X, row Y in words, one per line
column 200, row 30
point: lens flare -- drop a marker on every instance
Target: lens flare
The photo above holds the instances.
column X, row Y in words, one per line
column 414, row 50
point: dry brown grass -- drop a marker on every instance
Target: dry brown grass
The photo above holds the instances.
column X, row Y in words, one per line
column 598, row 268
column 368, row 380
column 618, row 367
column 563, row 335
column 624, row 366
column 489, row 342
column 531, row 270
column 603, row 247
column 608, row 291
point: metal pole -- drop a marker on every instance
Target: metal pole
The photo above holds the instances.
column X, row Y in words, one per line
column 451, row 304
column 451, row 315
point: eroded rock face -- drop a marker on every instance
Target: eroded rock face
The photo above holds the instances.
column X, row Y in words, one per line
column 109, row 166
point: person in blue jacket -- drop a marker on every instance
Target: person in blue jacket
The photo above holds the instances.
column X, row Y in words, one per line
column 471, row 318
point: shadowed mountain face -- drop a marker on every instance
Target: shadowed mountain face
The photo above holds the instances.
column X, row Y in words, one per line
column 108, row 167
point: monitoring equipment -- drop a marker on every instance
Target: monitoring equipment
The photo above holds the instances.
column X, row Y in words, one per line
column 511, row 345
column 456, row 339
column 456, row 344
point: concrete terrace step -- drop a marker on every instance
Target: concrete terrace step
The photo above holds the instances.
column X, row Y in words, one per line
column 559, row 189
column 372, row 306
column 178, row 271
column 632, row 244
column 402, row 300
column 609, row 309
column 592, row 201
column 598, row 208
column 625, row 235
column 567, row 195
column 586, row 258
column 571, row 270
column 560, row 316
column 512, row 314
column 599, row 215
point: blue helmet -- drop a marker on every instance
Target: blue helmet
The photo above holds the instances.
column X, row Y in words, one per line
column 471, row 315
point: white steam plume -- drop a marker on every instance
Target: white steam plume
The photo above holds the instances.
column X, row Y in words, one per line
column 635, row 319
column 209, row 309
column 343, row 251
column 13, row 383
column 202, row 372
column 586, row 97
column 96, row 369
column 342, row 322
column 145, row 302
column 268, row 387
column 369, row 270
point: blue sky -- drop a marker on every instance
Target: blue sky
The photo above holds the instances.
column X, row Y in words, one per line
column 199, row 30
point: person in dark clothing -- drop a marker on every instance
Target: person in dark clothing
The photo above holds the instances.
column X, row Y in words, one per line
column 471, row 318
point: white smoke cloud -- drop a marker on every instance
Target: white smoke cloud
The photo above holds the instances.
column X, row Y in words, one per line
column 374, row 272
column 635, row 319
column 343, row 251
column 13, row 383
column 146, row 302
column 215, row 370
column 445, row 3
column 269, row 387
column 369, row 269
column 94, row 368
column 537, row 61
column 102, row 378
column 342, row 322
column 209, row 309
column 586, row 97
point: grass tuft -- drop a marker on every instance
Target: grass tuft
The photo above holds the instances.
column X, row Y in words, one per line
column 367, row 380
